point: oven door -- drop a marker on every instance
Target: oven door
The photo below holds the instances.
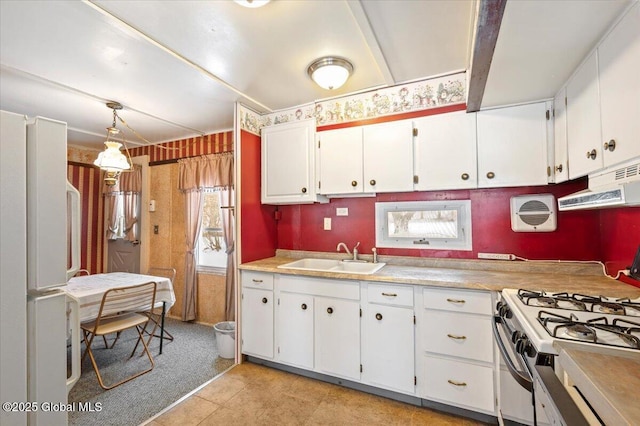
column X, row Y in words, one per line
column 502, row 333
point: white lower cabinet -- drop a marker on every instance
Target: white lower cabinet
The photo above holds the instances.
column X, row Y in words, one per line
column 455, row 350
column 388, row 358
column 337, row 337
column 294, row 329
column 318, row 325
column 257, row 314
column 459, row 383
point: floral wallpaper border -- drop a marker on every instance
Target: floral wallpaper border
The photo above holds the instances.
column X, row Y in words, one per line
column 416, row 96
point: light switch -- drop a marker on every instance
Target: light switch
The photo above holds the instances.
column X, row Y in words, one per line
column 327, row 224
column 342, row 211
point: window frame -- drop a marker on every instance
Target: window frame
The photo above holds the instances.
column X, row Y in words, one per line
column 217, row 270
column 463, row 242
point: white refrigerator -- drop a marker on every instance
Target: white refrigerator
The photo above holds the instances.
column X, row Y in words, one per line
column 39, row 237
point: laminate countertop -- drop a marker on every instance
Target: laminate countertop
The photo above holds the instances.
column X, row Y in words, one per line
column 608, row 379
column 553, row 277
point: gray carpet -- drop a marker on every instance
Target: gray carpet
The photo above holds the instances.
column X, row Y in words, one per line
column 186, row 363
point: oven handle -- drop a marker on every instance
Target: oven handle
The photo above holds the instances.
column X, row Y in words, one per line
column 523, row 379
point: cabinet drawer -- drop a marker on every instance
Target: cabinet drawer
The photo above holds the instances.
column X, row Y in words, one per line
column 390, row 294
column 458, row 335
column 472, row 302
column 342, row 289
column 253, row 279
column 459, row 383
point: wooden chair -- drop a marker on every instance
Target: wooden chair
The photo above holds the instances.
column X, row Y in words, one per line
column 155, row 317
column 122, row 309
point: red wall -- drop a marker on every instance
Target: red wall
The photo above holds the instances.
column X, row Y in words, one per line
column 301, row 227
column 620, row 238
column 259, row 237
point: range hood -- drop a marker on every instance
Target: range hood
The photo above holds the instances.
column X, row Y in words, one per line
column 618, row 187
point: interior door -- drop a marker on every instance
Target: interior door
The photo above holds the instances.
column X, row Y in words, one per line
column 124, row 256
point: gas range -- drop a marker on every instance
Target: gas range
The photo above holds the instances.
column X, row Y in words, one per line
column 547, row 317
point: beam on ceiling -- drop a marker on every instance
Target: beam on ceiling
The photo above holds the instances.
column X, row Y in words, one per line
column 176, row 55
column 370, row 39
column 490, row 14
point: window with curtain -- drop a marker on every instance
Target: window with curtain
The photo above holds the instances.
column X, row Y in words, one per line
column 212, row 249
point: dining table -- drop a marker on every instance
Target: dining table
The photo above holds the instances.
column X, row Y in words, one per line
column 88, row 290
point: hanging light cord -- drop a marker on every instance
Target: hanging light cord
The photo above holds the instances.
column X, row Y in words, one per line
column 142, row 138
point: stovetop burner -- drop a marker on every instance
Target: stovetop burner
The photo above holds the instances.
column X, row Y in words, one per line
column 581, row 332
column 620, row 332
column 608, row 308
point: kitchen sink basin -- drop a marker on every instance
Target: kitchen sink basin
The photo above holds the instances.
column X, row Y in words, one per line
column 331, row 265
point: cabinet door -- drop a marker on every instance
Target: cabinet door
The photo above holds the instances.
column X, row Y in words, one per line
column 560, row 165
column 388, row 347
column 341, row 161
column 445, row 152
column 257, row 322
column 512, row 146
column 288, row 163
column 388, row 157
column 295, row 329
column 338, row 337
column 619, row 68
column 583, row 120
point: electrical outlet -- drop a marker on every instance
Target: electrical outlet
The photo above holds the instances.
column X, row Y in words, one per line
column 342, row 211
column 496, row 256
column 327, row 224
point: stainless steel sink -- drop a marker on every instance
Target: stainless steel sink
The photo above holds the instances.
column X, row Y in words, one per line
column 331, row 265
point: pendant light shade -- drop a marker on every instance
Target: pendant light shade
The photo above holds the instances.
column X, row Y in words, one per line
column 112, row 161
column 252, row 3
column 330, row 72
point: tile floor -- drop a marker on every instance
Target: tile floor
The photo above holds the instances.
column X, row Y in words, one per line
column 251, row 394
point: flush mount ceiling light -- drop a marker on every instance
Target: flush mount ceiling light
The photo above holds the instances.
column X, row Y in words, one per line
column 252, row 3
column 330, row 72
column 112, row 160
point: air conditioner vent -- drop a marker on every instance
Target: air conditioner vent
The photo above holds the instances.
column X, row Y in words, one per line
column 533, row 213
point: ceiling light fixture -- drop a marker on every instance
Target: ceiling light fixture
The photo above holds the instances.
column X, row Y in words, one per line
column 112, row 160
column 330, row 72
column 252, row 3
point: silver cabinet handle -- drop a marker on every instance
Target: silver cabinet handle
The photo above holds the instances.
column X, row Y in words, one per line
column 256, row 281
column 456, row 300
column 390, row 294
column 453, row 336
column 453, row 382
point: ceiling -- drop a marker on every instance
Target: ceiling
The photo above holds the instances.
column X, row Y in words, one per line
column 178, row 67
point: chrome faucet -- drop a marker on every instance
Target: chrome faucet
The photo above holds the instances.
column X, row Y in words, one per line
column 355, row 251
column 343, row 245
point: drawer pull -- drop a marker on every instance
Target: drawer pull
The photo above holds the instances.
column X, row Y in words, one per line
column 379, row 316
column 453, row 336
column 390, row 294
column 264, row 300
column 304, row 306
column 456, row 300
column 454, row 383
column 256, row 281
column 329, row 310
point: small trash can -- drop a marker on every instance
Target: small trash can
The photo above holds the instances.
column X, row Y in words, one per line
column 226, row 338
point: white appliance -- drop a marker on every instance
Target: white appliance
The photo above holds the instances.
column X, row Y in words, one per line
column 614, row 187
column 39, row 234
column 532, row 321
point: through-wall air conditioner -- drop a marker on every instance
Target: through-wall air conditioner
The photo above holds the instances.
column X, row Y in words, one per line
column 615, row 187
column 533, row 213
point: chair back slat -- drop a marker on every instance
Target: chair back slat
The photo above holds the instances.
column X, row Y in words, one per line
column 137, row 298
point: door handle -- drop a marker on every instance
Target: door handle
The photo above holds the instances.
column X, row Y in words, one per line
column 135, row 242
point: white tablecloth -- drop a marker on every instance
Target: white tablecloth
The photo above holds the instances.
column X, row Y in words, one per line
column 89, row 289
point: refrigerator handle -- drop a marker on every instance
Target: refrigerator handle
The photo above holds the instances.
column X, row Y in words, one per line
column 74, row 326
column 76, row 229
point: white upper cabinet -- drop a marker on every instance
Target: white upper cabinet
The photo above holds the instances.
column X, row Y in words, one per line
column 583, row 120
column 341, row 161
column 388, row 157
column 445, row 152
column 619, row 73
column 560, row 169
column 369, row 159
column 512, row 146
column 289, row 163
